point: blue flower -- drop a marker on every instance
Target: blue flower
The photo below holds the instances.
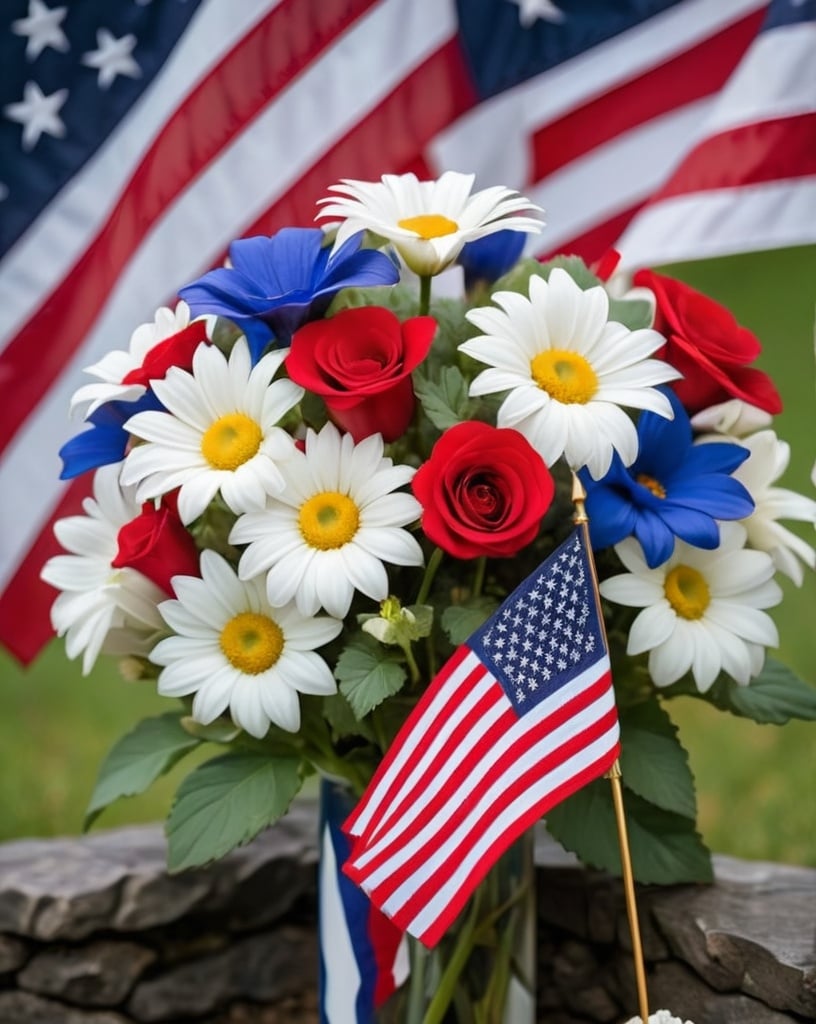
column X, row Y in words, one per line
column 486, row 259
column 673, row 489
column 277, row 284
column 107, row 440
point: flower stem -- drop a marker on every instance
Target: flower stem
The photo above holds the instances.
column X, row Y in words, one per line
column 479, row 576
column 450, row 976
column 427, row 579
column 424, row 294
column 416, row 991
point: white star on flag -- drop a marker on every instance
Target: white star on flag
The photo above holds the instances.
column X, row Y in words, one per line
column 38, row 114
column 42, row 26
column 112, row 57
column 531, row 10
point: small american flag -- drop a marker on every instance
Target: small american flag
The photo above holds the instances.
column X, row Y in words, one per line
column 519, row 718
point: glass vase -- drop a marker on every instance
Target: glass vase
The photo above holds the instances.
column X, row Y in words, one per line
column 481, row 972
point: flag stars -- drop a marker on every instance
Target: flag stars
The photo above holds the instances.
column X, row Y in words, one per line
column 42, row 28
column 112, row 57
column 38, row 114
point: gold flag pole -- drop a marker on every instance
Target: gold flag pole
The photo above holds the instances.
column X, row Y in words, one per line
column 614, row 775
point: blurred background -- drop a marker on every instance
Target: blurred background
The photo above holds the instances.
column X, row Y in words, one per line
column 755, row 783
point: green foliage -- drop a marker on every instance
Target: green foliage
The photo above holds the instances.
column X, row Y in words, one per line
column 460, row 620
column 226, row 802
column 653, row 761
column 445, row 399
column 147, row 752
column 775, row 696
column 368, row 674
column 665, row 848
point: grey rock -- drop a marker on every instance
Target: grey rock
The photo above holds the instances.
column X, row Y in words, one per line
column 264, row 968
column 25, row 1008
column 97, row 974
column 13, row 953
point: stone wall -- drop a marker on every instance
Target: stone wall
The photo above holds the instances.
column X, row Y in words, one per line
column 94, row 931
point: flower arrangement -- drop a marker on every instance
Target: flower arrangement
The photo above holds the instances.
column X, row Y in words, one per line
column 320, row 473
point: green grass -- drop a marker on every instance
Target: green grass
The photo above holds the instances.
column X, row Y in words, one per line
column 755, row 783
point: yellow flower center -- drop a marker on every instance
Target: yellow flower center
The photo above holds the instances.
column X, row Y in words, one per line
column 429, row 225
column 231, row 441
column 328, row 520
column 649, row 482
column 565, row 376
column 252, row 643
column 687, row 592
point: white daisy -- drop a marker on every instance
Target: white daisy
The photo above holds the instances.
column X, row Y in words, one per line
column 332, row 527
column 101, row 608
column 234, row 651
column 767, row 462
column 427, row 221
column 568, row 370
column 733, row 417
column 701, row 609
column 219, row 432
column 120, row 373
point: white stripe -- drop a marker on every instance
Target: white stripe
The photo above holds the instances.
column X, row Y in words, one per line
column 722, row 222
column 42, row 257
column 426, row 917
column 470, row 143
column 471, row 784
column 615, row 176
column 431, row 720
column 777, row 78
column 421, row 796
column 342, row 974
column 336, row 92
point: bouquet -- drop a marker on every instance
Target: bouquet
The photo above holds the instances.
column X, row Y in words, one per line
column 337, row 455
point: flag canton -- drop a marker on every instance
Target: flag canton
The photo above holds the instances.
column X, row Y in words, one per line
column 547, row 632
column 70, row 74
column 789, row 12
column 508, row 41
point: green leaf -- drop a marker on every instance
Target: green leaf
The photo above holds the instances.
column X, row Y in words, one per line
column 774, row 697
column 664, row 848
column 632, row 313
column 337, row 712
column 225, row 803
column 444, row 400
column 368, row 674
column 653, row 761
column 138, row 759
column 460, row 620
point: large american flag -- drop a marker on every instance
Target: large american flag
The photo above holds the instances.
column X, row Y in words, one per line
column 520, row 717
column 138, row 138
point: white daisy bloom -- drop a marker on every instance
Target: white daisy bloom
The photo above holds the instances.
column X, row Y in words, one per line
column 701, row 609
column 733, row 417
column 767, row 462
column 101, row 608
column 235, row 652
column 568, row 370
column 428, row 221
column 329, row 531
column 659, row 1017
column 219, row 432
column 115, row 367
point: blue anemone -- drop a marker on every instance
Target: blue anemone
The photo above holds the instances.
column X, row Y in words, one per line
column 277, row 284
column 486, row 259
column 107, row 440
column 673, row 489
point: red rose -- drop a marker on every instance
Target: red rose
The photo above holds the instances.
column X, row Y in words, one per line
column 177, row 350
column 359, row 362
column 158, row 545
column 707, row 345
column 483, row 491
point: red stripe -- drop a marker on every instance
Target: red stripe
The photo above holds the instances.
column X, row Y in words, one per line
column 592, row 245
column 458, row 799
column 694, row 74
column 24, row 604
column 389, row 140
column 247, row 79
column 749, row 155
